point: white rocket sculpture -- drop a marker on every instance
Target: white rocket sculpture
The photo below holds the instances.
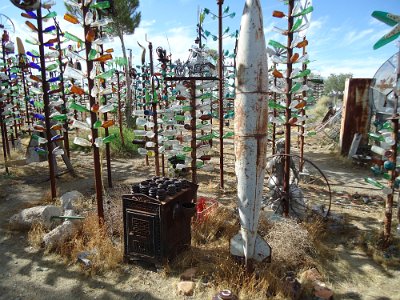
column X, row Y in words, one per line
column 251, row 115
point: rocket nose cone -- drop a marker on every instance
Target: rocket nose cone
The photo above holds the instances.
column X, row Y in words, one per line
column 251, row 59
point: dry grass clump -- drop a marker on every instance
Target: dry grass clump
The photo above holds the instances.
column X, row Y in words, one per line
column 292, row 250
column 220, row 222
column 100, row 243
column 372, row 244
column 35, row 235
column 113, row 209
column 104, row 254
column 291, row 244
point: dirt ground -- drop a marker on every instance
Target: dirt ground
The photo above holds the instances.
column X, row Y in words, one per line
column 27, row 273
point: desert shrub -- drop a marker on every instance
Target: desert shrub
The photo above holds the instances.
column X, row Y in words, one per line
column 117, row 148
column 100, row 248
column 291, row 243
column 319, row 110
column 127, row 149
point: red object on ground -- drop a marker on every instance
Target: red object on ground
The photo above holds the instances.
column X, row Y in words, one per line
column 204, row 207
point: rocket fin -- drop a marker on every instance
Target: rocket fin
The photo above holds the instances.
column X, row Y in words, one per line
column 262, row 250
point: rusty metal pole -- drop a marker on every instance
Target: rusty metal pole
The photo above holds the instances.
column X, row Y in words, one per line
column 250, row 126
column 275, row 113
column 12, row 102
column 22, row 66
column 193, row 128
column 302, row 113
column 11, row 98
column 119, row 110
column 5, row 125
column 221, row 95
column 395, row 130
column 289, row 68
column 144, row 78
column 154, row 108
column 106, row 130
column 3, row 137
column 45, row 88
column 26, row 102
column 165, row 92
column 93, row 117
column 389, row 200
column 64, row 109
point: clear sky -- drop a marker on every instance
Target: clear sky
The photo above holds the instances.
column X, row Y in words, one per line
column 340, row 37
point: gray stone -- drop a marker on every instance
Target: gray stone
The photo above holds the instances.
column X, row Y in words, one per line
column 83, row 257
column 37, row 214
column 189, row 274
column 68, row 199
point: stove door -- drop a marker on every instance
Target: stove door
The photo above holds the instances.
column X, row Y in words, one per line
column 141, row 232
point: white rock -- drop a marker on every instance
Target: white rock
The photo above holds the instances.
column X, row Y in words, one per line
column 186, row 288
column 29, row 216
column 69, row 198
column 59, row 234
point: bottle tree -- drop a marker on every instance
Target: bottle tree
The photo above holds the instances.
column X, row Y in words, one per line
column 222, row 13
column 88, row 14
column 289, row 83
column 389, row 141
column 45, row 78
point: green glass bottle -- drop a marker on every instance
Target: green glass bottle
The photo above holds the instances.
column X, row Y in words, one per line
column 106, row 75
column 92, row 54
column 228, row 134
column 38, row 104
column 50, row 15
column 374, row 182
column 97, row 124
column 297, row 24
column 147, row 97
column 100, row 5
column 376, row 136
column 295, row 87
column 72, row 37
column 276, row 44
column 302, row 74
column 311, row 133
column 179, row 118
column 304, row 11
column 109, row 138
column 78, row 107
column 59, row 117
column 52, row 67
column 387, row 125
column 275, row 105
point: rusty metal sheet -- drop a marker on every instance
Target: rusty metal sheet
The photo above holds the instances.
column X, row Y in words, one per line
column 356, row 115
